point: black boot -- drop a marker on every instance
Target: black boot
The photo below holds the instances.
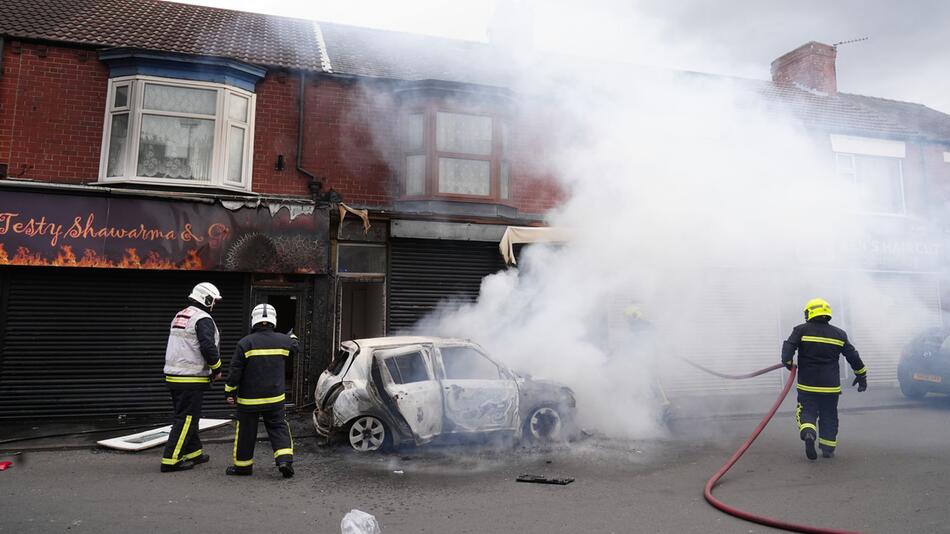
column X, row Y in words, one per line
column 286, row 469
column 200, row 459
column 809, row 437
column 240, row 471
column 827, row 453
column 180, row 466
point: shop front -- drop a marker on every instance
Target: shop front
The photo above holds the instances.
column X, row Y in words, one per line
column 89, row 283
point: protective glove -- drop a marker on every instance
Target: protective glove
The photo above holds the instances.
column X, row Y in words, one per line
column 861, row 381
column 788, row 365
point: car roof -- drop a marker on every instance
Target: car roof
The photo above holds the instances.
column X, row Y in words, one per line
column 398, row 341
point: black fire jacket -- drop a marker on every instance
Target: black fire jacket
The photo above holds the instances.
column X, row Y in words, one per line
column 819, row 347
column 256, row 376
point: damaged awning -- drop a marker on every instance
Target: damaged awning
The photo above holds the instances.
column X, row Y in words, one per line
column 528, row 234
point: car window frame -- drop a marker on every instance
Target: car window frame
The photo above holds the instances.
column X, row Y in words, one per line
column 503, row 372
column 430, row 373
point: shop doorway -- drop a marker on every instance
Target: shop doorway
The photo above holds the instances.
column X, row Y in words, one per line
column 362, row 309
column 290, row 305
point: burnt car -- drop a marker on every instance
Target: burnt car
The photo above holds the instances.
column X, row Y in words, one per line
column 391, row 391
column 925, row 364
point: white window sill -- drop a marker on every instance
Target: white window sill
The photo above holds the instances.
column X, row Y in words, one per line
column 173, row 184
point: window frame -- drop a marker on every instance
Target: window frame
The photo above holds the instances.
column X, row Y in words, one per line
column 500, row 153
column 852, row 174
column 223, row 124
column 503, row 372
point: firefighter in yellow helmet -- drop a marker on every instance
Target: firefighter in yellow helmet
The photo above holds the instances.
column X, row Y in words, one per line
column 819, row 346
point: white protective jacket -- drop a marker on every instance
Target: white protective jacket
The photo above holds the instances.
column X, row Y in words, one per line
column 183, row 356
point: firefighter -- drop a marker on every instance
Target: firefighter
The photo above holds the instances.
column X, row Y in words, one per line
column 192, row 361
column 819, row 346
column 256, row 385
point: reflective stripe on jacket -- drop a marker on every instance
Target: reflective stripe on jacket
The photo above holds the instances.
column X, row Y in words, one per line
column 819, row 346
column 256, row 376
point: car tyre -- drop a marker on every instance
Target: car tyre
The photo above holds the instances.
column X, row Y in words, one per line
column 544, row 424
column 368, row 434
column 911, row 390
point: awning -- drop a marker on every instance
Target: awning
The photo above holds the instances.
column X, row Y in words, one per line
column 528, row 234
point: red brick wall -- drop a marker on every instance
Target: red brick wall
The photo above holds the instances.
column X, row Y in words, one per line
column 52, row 102
column 349, row 138
column 51, row 113
column 275, row 133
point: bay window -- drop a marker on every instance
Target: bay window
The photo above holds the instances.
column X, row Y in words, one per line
column 177, row 132
column 455, row 154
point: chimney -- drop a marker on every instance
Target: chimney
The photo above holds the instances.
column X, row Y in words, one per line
column 811, row 66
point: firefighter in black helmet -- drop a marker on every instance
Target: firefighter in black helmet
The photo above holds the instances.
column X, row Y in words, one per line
column 819, row 347
column 256, row 385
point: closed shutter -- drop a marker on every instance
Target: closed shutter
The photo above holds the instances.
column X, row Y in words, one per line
column 91, row 342
column 425, row 272
column 884, row 314
column 730, row 324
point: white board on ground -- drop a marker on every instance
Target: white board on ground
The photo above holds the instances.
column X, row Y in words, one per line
column 152, row 438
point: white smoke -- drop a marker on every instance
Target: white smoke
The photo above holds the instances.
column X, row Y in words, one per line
column 711, row 208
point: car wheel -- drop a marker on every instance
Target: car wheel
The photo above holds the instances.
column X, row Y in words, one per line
column 368, row 434
column 911, row 390
column 543, row 425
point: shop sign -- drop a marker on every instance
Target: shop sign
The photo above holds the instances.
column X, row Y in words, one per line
column 137, row 233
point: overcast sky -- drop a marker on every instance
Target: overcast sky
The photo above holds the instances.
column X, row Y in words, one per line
column 906, row 55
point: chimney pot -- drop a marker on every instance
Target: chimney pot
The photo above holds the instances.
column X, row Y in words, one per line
column 811, row 66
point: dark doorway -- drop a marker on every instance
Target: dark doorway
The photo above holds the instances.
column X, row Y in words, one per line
column 362, row 309
column 289, row 304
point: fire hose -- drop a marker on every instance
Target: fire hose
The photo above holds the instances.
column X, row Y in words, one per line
column 711, row 483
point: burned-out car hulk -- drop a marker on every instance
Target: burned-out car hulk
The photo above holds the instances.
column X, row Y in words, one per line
column 393, row 391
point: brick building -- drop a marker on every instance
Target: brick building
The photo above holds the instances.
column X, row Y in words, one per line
column 146, row 145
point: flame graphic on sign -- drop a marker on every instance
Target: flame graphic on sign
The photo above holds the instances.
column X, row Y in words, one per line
column 90, row 258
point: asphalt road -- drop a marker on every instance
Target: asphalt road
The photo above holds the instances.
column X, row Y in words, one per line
column 890, row 476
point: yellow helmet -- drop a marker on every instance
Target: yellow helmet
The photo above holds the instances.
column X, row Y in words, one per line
column 632, row 312
column 817, row 308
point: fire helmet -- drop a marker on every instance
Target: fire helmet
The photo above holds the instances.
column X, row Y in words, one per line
column 817, row 308
column 205, row 294
column 633, row 312
column 263, row 313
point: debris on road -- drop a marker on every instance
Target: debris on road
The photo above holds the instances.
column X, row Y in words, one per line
column 153, row 438
column 5, row 465
column 540, row 479
column 359, row 522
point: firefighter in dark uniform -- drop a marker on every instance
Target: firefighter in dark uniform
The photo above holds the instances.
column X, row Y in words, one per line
column 192, row 361
column 256, row 386
column 819, row 347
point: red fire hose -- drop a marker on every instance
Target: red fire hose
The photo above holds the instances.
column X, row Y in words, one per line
column 711, row 483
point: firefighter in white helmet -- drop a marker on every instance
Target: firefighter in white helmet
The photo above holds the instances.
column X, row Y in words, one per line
column 256, row 385
column 192, row 361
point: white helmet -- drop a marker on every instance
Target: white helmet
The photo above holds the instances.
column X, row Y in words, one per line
column 206, row 294
column 263, row 313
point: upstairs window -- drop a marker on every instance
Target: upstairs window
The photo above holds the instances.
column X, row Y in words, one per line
column 177, row 132
column 879, row 179
column 875, row 167
column 455, row 154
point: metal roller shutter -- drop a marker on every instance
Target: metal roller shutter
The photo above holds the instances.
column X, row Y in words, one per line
column 731, row 325
column 424, row 272
column 884, row 314
column 91, row 342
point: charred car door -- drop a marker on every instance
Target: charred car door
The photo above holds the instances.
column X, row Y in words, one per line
column 478, row 394
column 407, row 378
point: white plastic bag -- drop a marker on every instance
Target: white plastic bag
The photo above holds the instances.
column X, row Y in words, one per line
column 359, row 522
